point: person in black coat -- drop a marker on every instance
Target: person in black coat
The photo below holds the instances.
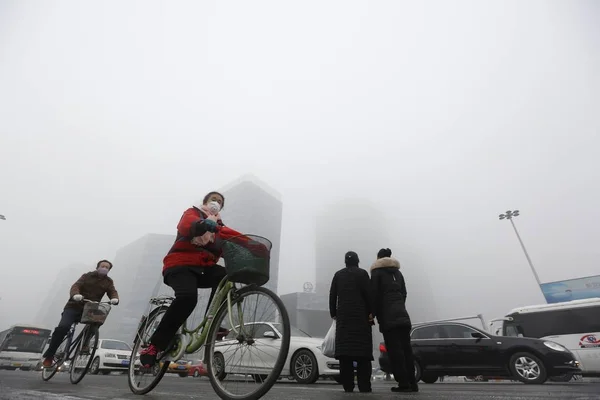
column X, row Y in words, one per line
column 350, row 304
column 389, row 288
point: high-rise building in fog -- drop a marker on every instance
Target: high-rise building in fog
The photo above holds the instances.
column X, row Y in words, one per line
column 349, row 225
column 252, row 207
column 50, row 309
column 137, row 274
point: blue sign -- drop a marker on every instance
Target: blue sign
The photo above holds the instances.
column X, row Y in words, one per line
column 572, row 289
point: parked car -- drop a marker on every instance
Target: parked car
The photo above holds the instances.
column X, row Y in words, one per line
column 111, row 355
column 305, row 362
column 456, row 349
column 181, row 368
column 196, row 368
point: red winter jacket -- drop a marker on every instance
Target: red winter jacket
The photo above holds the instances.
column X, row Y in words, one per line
column 183, row 252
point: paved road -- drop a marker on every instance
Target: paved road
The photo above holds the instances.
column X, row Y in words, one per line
column 15, row 385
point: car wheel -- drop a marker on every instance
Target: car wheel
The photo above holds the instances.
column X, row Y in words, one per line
column 429, row 378
column 219, row 364
column 304, row 367
column 95, row 367
column 183, row 374
column 527, row 368
column 418, row 371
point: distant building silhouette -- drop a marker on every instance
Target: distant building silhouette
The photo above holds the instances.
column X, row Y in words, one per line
column 351, row 224
column 306, row 313
column 252, row 207
column 137, row 274
column 50, row 309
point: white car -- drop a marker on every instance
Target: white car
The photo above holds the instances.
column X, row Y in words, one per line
column 305, row 362
column 111, row 355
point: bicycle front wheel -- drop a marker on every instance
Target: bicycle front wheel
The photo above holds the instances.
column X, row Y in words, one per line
column 84, row 355
column 257, row 344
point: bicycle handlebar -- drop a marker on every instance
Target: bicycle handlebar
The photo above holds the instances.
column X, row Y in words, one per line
column 97, row 302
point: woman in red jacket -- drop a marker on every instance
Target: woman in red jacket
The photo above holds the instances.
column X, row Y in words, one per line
column 191, row 264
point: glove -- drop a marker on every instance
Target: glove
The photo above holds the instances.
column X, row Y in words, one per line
column 114, row 302
column 210, row 225
column 78, row 297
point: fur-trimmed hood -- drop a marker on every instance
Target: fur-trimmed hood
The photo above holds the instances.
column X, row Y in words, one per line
column 386, row 262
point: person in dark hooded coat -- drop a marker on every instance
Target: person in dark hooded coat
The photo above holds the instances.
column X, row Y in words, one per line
column 389, row 288
column 350, row 304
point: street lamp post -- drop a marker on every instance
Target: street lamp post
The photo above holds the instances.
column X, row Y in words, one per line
column 509, row 215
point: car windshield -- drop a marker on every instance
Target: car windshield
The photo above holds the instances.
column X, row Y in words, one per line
column 25, row 343
column 115, row 345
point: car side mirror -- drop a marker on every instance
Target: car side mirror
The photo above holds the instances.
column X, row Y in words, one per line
column 270, row 335
column 477, row 335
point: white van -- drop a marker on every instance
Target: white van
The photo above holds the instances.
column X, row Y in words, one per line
column 574, row 324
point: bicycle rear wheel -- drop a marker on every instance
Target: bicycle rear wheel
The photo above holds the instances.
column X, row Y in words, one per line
column 141, row 380
column 86, row 349
column 59, row 358
column 257, row 345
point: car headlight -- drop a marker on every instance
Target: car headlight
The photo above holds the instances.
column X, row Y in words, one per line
column 555, row 346
column 110, row 355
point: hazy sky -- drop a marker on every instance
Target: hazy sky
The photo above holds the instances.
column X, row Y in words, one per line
column 115, row 116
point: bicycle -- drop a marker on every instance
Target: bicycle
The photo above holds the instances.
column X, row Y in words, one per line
column 85, row 344
column 247, row 263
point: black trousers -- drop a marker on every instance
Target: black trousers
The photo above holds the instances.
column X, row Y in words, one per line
column 185, row 281
column 68, row 317
column 363, row 373
column 397, row 342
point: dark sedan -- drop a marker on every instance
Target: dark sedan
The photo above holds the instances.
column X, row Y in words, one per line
column 456, row 349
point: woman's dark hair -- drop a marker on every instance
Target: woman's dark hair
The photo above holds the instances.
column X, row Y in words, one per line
column 102, row 261
column 384, row 253
column 205, row 200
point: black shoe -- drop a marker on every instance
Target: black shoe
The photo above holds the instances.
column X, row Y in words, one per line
column 367, row 391
column 402, row 389
column 414, row 387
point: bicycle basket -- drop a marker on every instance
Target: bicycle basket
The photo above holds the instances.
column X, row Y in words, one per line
column 95, row 313
column 247, row 259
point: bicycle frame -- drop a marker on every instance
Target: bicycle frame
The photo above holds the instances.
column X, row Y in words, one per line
column 71, row 344
column 198, row 335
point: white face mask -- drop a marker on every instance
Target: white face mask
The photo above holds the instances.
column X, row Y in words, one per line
column 214, row 207
column 102, row 271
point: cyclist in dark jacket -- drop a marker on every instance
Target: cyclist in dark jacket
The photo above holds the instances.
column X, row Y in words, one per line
column 91, row 286
column 389, row 288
